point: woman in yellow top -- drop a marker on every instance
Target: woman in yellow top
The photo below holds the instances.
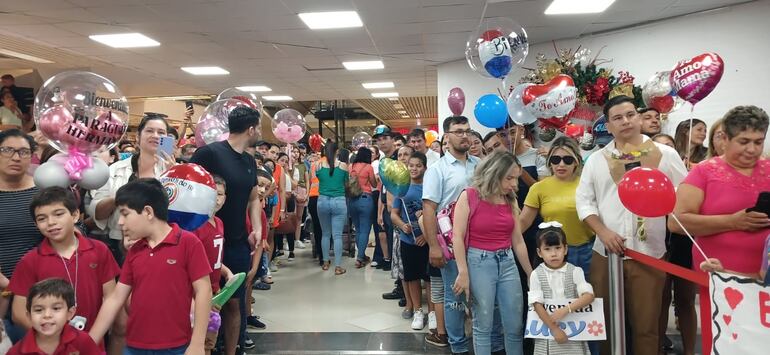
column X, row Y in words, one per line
column 554, row 198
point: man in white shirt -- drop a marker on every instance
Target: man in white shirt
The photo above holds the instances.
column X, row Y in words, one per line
column 599, row 206
column 417, row 142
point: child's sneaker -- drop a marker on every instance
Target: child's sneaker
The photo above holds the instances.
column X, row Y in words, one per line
column 418, row 321
column 436, row 339
column 299, row 244
column 432, row 323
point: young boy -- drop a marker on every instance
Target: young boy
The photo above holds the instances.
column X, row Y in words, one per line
column 50, row 306
column 87, row 264
column 164, row 270
column 211, row 235
column 259, row 258
column 414, row 251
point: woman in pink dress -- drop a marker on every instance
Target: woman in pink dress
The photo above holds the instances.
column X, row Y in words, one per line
column 712, row 201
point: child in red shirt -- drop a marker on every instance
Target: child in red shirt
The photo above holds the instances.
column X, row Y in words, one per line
column 87, row 264
column 164, row 271
column 50, row 306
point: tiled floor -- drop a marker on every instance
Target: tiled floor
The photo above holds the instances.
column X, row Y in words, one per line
column 311, row 311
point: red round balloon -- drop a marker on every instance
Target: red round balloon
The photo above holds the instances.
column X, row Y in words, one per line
column 315, row 142
column 664, row 104
column 647, row 192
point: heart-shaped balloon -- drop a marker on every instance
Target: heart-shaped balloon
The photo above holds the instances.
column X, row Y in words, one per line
column 695, row 78
column 556, row 98
column 53, row 120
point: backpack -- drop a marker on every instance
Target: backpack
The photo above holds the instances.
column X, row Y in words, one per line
column 352, row 187
column 445, row 217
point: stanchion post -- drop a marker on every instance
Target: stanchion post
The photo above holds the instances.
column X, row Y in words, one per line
column 617, row 305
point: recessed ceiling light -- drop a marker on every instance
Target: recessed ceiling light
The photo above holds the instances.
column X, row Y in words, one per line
column 331, row 19
column 404, row 116
column 254, row 88
column 364, row 65
column 398, row 106
column 393, row 98
column 28, row 57
column 569, row 7
column 379, row 85
column 384, row 94
column 205, row 70
column 277, row 98
column 403, row 112
column 125, row 40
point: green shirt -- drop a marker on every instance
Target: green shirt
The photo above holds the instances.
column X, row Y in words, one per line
column 331, row 186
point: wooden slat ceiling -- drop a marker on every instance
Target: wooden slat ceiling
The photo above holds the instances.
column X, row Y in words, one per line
column 422, row 107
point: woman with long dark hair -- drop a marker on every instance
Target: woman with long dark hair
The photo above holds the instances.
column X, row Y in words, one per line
column 690, row 144
column 361, row 206
column 332, row 208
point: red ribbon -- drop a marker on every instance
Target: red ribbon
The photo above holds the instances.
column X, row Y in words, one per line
column 699, row 278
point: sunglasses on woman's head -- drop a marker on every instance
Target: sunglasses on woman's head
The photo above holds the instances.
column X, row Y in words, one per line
column 556, row 159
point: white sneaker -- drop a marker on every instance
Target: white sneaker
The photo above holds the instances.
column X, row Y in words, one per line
column 418, row 320
column 273, row 266
column 432, row 324
column 299, row 244
column 286, row 246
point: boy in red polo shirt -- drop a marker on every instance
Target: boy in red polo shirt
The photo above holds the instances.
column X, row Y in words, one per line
column 50, row 306
column 164, row 270
column 87, row 264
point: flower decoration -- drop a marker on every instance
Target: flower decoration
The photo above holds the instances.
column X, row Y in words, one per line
column 595, row 328
column 632, row 155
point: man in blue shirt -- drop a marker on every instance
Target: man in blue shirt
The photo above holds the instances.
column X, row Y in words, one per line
column 443, row 182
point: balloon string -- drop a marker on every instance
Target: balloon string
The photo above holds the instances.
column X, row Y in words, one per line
column 408, row 220
column 690, row 236
column 689, row 137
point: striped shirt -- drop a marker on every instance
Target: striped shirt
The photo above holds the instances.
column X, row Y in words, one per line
column 18, row 232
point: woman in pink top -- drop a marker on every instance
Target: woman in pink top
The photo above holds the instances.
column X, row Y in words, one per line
column 712, row 201
column 362, row 207
column 488, row 213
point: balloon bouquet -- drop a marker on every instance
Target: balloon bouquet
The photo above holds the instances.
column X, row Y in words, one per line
column 492, row 51
column 289, row 127
column 212, row 125
column 78, row 112
column 361, row 140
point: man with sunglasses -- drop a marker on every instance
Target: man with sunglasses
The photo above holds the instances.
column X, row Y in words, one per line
column 18, row 233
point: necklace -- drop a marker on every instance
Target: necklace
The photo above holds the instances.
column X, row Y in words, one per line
column 77, row 264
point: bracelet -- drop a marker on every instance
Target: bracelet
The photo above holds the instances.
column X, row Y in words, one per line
column 569, row 308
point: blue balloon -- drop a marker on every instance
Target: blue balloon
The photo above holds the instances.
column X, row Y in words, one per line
column 499, row 66
column 491, row 111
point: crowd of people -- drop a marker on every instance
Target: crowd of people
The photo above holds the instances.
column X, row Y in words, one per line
column 523, row 227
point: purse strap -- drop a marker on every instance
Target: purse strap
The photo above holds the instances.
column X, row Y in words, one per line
column 473, row 204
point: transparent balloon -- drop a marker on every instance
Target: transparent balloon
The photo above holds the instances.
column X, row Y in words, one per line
column 212, row 125
column 658, row 93
column 361, row 139
column 249, row 98
column 497, row 45
column 81, row 111
column 288, row 125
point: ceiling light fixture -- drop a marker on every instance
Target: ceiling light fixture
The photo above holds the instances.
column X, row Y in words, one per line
column 404, row 116
column 125, row 40
column 393, row 98
column 277, row 98
column 254, row 88
column 572, row 7
column 331, row 19
column 28, row 57
column 364, row 65
column 403, row 112
column 205, row 70
column 378, row 85
column 384, row 94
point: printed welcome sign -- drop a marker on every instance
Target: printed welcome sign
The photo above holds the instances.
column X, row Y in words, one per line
column 740, row 315
column 582, row 324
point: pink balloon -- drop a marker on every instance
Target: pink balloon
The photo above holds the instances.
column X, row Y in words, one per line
column 456, row 101
column 53, row 120
column 695, row 78
column 107, row 129
column 209, row 130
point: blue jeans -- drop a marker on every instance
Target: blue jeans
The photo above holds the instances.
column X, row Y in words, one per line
column 454, row 314
column 581, row 256
column 332, row 213
column 361, row 213
column 495, row 282
column 172, row 351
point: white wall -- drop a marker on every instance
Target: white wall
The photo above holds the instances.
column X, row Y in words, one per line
column 738, row 34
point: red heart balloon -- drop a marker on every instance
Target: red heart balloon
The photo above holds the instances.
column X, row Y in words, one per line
column 640, row 186
column 664, row 104
column 695, row 78
column 574, row 131
column 532, row 92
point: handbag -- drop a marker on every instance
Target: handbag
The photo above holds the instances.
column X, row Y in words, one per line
column 445, row 218
column 352, row 187
column 287, row 225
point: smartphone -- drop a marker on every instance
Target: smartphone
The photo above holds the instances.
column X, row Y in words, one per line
column 166, row 146
column 763, row 203
column 188, row 105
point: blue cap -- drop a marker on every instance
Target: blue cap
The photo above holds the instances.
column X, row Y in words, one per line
column 602, row 137
column 382, row 130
